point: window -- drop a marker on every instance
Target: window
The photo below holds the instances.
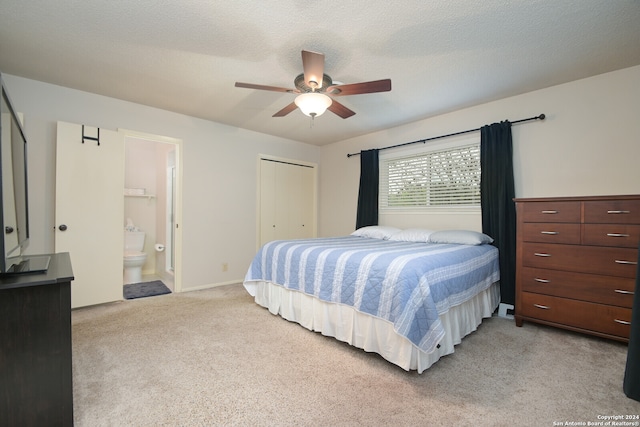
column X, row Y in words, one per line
column 441, row 177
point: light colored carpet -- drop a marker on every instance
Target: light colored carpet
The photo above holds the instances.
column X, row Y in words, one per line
column 214, row 357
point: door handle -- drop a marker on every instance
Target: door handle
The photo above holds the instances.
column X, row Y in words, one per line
column 62, row 227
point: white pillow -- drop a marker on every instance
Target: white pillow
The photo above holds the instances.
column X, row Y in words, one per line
column 462, row 237
column 375, row 232
column 412, row 235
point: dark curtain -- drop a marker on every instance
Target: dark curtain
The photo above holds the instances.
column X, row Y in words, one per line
column 631, row 385
column 497, row 191
column 368, row 193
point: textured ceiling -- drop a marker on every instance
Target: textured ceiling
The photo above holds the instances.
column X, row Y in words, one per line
column 441, row 55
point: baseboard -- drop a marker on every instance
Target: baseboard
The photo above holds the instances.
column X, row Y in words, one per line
column 209, row 286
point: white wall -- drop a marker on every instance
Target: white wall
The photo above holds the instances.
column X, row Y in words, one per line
column 589, row 144
column 219, row 173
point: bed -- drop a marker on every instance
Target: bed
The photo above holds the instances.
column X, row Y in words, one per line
column 408, row 295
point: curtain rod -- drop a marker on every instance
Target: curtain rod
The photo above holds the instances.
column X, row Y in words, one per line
column 540, row 117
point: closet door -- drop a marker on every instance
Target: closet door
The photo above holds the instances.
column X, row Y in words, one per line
column 287, row 201
column 90, row 211
column 300, row 222
column 267, row 208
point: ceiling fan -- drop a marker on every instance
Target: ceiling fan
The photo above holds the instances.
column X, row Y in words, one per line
column 314, row 88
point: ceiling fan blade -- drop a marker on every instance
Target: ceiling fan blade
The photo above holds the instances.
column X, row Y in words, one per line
column 262, row 87
column 313, row 66
column 359, row 88
column 286, row 110
column 340, row 110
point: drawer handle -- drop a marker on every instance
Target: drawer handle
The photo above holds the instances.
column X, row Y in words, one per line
column 623, row 322
column 544, row 307
column 621, row 261
column 618, row 212
column 550, row 212
column 549, row 232
column 541, row 254
column 617, row 235
column 541, row 280
column 621, row 291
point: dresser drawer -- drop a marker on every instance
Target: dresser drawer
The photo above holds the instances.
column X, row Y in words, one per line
column 585, row 287
column 579, row 314
column 612, row 212
column 605, row 261
column 547, row 232
column 551, row 212
column 627, row 236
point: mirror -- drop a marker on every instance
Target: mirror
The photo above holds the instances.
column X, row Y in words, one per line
column 11, row 242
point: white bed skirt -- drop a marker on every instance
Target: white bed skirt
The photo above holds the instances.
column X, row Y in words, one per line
column 370, row 333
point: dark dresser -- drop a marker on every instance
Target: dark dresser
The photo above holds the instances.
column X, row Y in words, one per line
column 35, row 347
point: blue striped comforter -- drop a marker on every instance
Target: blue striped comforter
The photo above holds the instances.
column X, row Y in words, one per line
column 407, row 284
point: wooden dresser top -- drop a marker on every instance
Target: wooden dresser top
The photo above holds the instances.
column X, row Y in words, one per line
column 577, row 198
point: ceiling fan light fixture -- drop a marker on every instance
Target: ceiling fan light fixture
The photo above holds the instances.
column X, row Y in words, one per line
column 313, row 104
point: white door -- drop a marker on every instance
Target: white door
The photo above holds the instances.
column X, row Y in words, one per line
column 267, row 202
column 285, row 189
column 89, row 211
column 287, row 201
column 301, row 205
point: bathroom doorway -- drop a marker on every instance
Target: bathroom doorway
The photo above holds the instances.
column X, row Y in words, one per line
column 153, row 204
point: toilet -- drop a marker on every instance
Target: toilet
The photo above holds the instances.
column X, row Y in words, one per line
column 134, row 257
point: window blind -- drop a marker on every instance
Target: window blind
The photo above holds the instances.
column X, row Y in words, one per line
column 448, row 177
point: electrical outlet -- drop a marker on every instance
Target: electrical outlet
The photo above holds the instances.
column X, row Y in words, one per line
column 225, row 266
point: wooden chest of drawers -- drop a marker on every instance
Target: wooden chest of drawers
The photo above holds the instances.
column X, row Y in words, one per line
column 576, row 262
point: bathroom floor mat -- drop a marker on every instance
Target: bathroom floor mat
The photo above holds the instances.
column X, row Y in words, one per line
column 145, row 289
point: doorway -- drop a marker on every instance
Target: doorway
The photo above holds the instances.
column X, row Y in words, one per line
column 153, row 203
